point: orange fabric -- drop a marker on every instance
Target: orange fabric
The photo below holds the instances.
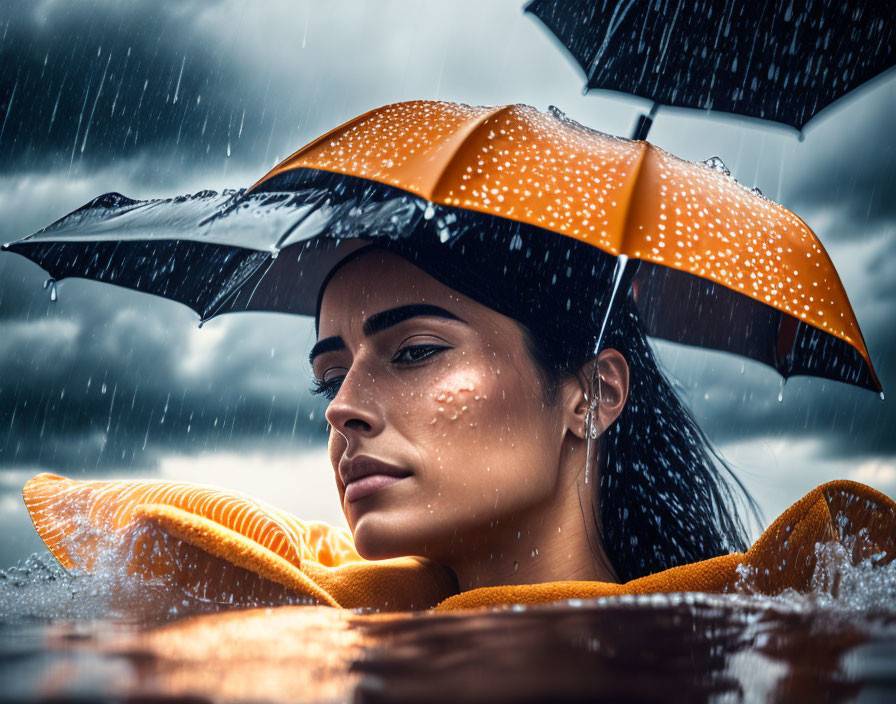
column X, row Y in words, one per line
column 622, row 196
column 221, row 543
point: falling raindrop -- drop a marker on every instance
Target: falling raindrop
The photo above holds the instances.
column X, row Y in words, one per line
column 881, row 395
column 51, row 284
column 781, row 390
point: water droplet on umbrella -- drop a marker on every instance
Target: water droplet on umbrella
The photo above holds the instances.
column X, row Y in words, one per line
column 716, row 164
column 429, row 212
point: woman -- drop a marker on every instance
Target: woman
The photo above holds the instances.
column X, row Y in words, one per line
column 458, row 402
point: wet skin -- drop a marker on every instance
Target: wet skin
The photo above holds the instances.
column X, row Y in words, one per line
column 441, row 441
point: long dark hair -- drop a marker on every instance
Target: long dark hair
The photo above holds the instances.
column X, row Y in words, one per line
column 666, row 496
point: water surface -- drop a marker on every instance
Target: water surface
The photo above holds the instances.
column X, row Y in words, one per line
column 97, row 637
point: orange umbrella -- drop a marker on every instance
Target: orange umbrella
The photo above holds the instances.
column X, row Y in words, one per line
column 707, row 244
column 713, row 263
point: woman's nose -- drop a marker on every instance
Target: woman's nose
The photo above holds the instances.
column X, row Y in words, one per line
column 355, row 409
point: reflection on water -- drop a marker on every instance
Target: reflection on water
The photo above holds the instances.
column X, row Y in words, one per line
column 685, row 647
column 95, row 637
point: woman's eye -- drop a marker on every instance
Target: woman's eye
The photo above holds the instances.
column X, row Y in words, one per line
column 328, row 388
column 416, row 353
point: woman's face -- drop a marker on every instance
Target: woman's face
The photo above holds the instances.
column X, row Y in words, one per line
column 438, row 427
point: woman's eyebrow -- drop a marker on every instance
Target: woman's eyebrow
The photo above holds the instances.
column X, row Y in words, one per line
column 381, row 321
column 328, row 344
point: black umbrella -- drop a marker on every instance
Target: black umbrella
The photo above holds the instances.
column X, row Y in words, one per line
column 775, row 60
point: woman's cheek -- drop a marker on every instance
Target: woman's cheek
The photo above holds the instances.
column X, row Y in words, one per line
column 455, row 403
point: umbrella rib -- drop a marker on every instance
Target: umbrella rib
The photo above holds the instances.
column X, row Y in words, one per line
column 611, row 30
column 638, row 169
column 209, row 314
column 472, row 132
column 313, row 206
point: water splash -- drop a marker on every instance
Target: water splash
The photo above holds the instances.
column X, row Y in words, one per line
column 838, row 583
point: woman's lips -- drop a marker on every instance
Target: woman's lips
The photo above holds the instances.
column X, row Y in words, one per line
column 361, row 488
column 364, row 475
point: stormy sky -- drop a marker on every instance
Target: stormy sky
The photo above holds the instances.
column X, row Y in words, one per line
column 158, row 99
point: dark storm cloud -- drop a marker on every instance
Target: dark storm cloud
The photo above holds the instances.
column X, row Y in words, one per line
column 116, row 379
column 847, row 167
column 86, row 83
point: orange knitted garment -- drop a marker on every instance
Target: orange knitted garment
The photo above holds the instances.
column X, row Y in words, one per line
column 218, row 543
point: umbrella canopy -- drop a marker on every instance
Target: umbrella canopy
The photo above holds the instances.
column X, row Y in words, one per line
column 720, row 266
column 780, row 61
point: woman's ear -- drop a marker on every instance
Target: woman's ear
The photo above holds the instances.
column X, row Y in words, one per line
column 611, row 386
